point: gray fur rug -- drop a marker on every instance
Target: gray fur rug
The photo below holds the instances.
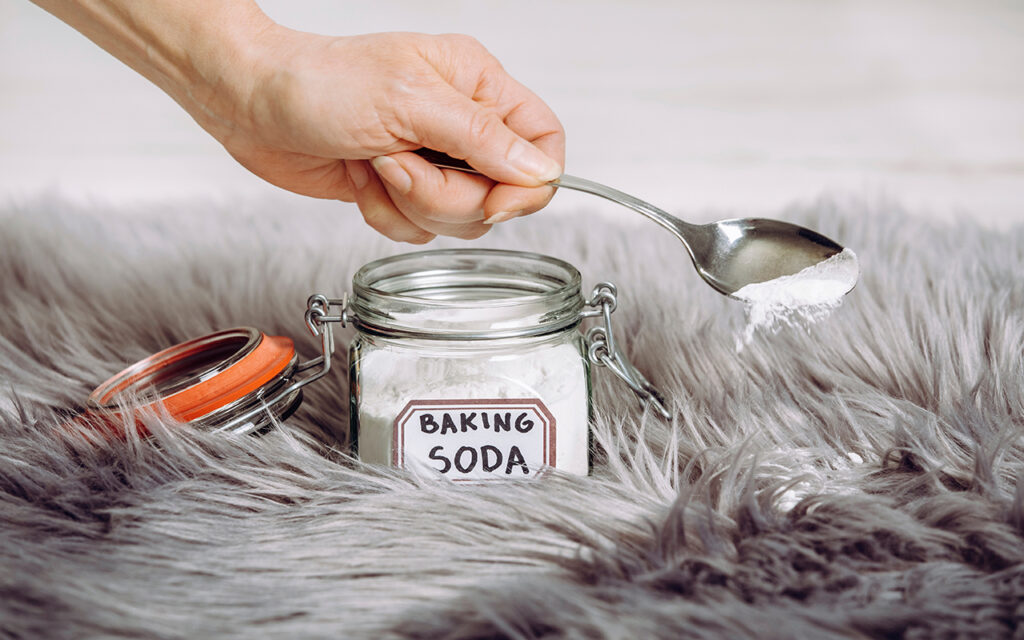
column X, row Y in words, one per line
column 862, row 478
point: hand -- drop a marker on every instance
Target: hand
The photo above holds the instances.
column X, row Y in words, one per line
column 309, row 113
column 336, row 117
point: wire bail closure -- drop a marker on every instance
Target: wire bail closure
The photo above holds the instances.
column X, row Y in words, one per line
column 320, row 324
column 602, row 350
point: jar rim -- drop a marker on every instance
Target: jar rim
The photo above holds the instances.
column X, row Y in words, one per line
column 466, row 294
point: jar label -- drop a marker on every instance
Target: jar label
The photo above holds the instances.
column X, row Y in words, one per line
column 475, row 439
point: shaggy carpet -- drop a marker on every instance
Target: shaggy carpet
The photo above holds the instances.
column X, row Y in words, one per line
column 860, row 478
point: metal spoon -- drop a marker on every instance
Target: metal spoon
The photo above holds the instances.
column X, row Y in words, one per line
column 729, row 254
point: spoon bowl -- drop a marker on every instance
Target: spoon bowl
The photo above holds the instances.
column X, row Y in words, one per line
column 731, row 254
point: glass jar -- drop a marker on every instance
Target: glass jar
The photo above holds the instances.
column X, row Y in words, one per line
column 466, row 362
column 470, row 363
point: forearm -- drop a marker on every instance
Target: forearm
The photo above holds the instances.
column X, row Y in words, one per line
column 200, row 52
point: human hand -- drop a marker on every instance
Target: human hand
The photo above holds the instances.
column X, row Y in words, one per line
column 310, row 113
column 336, row 117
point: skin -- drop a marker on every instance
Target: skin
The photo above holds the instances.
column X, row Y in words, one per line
column 338, row 117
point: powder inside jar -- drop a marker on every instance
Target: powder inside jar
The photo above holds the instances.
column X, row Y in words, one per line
column 552, row 371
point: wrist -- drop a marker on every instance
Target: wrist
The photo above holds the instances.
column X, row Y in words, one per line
column 286, row 73
column 222, row 68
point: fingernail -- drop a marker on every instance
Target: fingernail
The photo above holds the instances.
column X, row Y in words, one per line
column 533, row 162
column 392, row 172
column 502, row 216
column 358, row 173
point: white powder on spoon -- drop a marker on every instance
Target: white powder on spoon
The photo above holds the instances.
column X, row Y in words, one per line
column 798, row 299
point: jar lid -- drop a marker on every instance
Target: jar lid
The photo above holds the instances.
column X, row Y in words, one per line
column 213, row 379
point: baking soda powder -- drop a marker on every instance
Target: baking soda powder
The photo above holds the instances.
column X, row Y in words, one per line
column 799, row 299
column 478, row 415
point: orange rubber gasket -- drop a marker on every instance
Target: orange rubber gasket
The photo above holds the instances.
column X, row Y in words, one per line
column 266, row 361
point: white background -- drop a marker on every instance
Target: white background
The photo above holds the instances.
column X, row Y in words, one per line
column 707, row 108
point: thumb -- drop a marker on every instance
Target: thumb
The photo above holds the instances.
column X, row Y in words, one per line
column 464, row 129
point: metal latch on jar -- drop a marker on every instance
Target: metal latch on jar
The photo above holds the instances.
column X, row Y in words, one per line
column 603, row 351
column 316, row 319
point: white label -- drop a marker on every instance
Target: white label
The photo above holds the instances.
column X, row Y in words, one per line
column 475, row 439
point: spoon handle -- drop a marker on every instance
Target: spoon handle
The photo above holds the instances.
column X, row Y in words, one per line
column 682, row 230
column 678, row 228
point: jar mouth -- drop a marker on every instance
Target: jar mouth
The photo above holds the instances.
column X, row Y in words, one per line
column 466, row 294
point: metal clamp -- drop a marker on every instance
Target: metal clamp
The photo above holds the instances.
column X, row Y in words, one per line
column 321, row 324
column 603, row 352
column 318, row 308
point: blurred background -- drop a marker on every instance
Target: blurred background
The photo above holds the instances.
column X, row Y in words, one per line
column 706, row 108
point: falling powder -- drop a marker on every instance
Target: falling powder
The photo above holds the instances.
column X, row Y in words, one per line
column 798, row 299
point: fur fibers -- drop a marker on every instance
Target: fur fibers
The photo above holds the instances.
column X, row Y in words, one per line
column 858, row 479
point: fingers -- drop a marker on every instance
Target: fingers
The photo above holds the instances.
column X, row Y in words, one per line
column 498, row 126
column 478, row 134
column 444, row 196
column 421, row 190
column 527, row 115
column 377, row 208
column 408, row 219
column 506, row 202
column 448, row 203
column 464, row 231
column 535, row 120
